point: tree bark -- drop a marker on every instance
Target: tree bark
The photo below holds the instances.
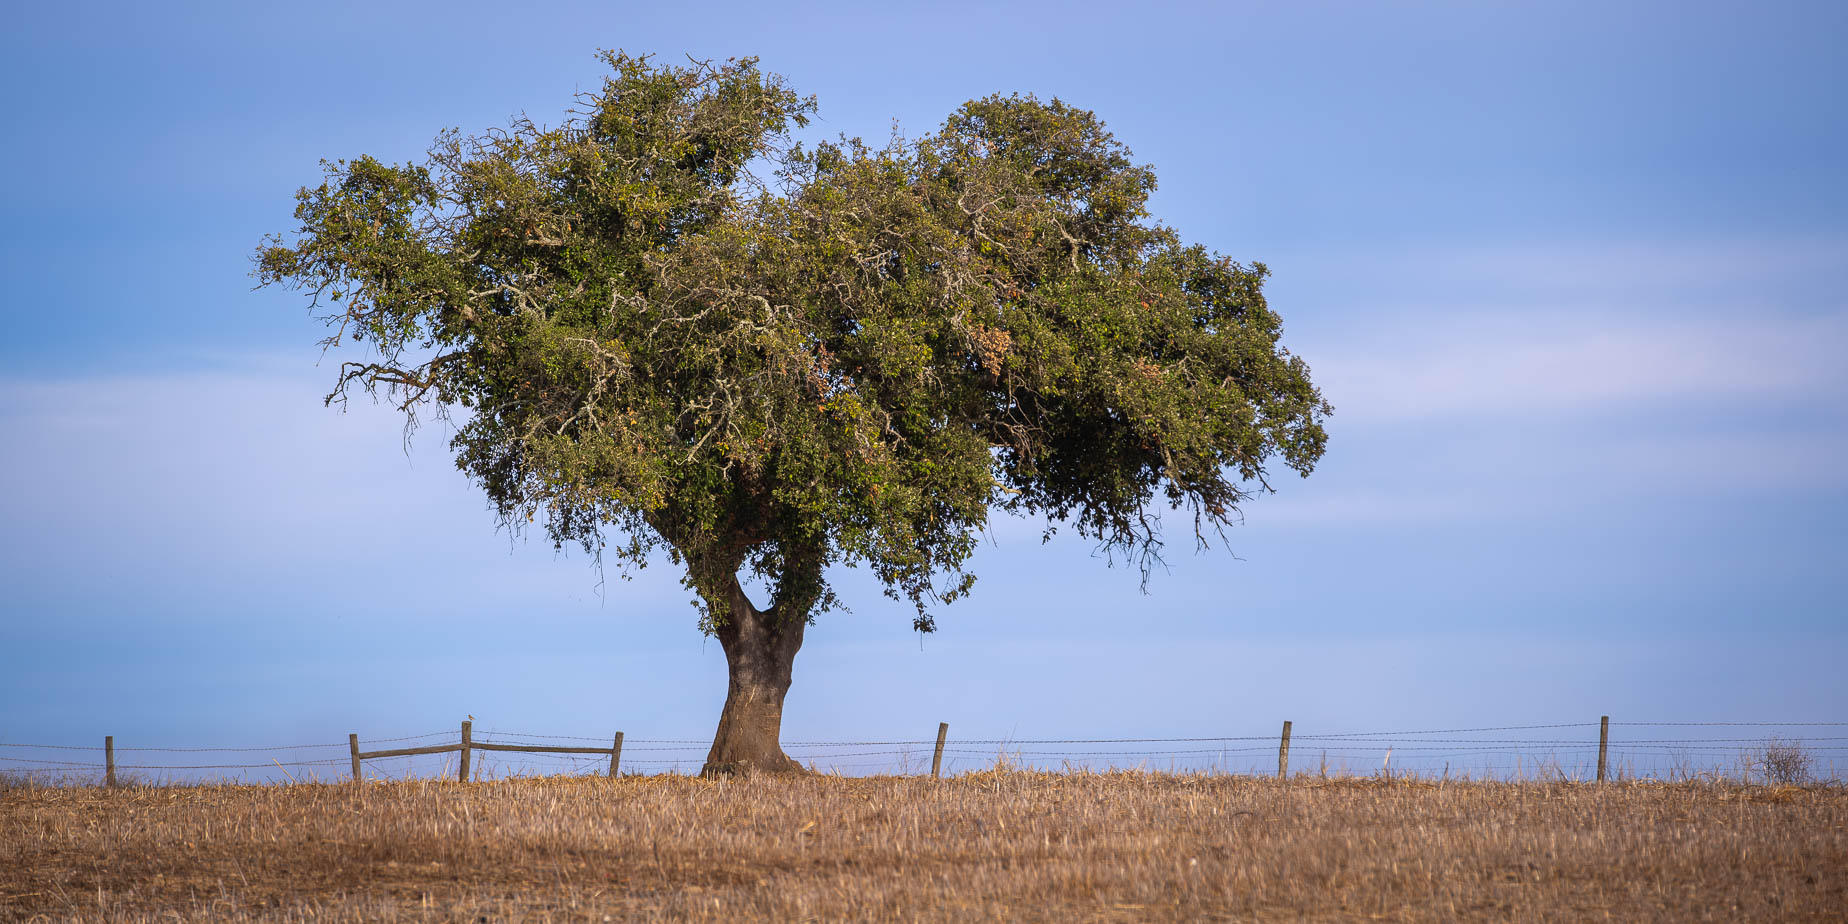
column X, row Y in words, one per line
column 760, row 650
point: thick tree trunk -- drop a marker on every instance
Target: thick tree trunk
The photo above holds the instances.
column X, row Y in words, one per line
column 760, row 650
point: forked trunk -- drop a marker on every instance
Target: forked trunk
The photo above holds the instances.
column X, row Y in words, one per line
column 760, row 651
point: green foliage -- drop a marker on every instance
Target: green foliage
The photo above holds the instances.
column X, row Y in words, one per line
column 854, row 364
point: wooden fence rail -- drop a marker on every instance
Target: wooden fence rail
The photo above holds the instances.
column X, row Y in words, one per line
column 469, row 744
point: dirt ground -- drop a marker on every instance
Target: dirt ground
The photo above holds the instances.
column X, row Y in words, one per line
column 994, row 845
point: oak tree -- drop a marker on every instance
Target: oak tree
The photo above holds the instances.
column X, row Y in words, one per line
column 661, row 325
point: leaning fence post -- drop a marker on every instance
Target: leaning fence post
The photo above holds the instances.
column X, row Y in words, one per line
column 109, row 760
column 1604, row 743
column 467, row 741
column 1283, row 753
column 353, row 746
column 936, row 760
column 615, row 755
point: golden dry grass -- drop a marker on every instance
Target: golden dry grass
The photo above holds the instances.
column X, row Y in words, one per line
column 996, row 845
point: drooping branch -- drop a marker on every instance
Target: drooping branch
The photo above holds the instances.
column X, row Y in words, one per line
column 409, row 385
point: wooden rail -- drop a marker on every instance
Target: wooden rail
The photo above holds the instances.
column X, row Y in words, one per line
column 468, row 745
column 538, row 749
column 407, row 752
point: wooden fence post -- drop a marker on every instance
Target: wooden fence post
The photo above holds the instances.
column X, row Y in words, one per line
column 936, row 760
column 1283, row 753
column 1604, row 743
column 615, row 755
column 109, row 760
column 353, row 746
column 467, row 742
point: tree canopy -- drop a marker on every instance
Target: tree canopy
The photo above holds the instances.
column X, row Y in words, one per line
column 666, row 325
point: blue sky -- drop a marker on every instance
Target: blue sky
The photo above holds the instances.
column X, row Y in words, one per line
column 1572, row 275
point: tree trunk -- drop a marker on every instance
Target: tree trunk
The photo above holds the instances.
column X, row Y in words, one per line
column 760, row 650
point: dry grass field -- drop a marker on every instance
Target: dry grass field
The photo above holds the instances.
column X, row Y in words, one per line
column 995, row 845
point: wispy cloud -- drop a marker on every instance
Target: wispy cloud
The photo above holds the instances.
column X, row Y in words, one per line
column 1795, row 275
column 238, row 481
column 1572, row 327
column 1557, row 364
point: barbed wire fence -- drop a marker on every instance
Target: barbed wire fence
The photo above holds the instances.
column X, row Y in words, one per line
column 1666, row 751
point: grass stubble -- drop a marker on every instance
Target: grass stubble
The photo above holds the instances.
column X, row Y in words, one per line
column 992, row 845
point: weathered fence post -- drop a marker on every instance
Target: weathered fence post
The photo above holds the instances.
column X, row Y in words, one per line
column 936, row 760
column 615, row 755
column 109, row 760
column 467, row 742
column 1604, row 743
column 353, row 746
column 1283, row 753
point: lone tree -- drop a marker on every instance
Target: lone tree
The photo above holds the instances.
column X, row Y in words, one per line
column 851, row 356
